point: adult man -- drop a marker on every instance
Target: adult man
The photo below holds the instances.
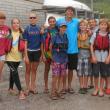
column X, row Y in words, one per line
column 72, row 30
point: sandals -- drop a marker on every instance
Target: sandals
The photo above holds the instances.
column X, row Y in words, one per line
column 22, row 96
column 33, row 91
column 12, row 92
column 46, row 91
column 95, row 93
column 61, row 96
column 90, row 87
column 101, row 94
column 71, row 91
column 27, row 92
column 54, row 97
column 63, row 91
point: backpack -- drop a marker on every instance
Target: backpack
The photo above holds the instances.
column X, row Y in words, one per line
column 101, row 42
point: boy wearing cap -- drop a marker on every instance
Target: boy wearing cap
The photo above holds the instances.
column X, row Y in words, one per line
column 58, row 46
column 71, row 31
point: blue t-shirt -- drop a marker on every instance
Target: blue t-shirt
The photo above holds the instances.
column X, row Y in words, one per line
column 59, row 48
column 33, row 37
column 72, row 34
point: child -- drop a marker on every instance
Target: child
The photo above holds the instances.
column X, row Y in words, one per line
column 84, row 56
column 4, row 32
column 48, row 34
column 93, row 28
column 59, row 44
column 100, row 56
column 14, row 57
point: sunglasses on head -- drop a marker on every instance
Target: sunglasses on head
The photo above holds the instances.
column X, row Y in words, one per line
column 32, row 17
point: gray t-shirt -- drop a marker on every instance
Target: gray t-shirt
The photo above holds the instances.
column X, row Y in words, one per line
column 100, row 55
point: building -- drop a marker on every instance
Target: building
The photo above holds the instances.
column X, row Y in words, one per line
column 21, row 9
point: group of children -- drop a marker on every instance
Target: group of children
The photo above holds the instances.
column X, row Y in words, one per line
column 93, row 58
column 51, row 44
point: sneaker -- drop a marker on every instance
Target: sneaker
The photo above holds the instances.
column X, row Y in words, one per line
column 82, row 91
column 85, row 89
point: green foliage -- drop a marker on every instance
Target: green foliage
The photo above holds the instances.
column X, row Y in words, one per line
column 99, row 5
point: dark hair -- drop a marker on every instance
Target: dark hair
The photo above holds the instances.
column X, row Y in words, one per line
column 70, row 8
column 51, row 17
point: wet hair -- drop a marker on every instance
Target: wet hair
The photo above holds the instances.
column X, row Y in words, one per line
column 2, row 15
column 51, row 17
column 20, row 29
column 70, row 8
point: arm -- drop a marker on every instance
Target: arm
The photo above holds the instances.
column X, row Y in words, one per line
column 107, row 60
column 93, row 60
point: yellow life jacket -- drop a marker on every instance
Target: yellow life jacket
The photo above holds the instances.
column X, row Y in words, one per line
column 83, row 41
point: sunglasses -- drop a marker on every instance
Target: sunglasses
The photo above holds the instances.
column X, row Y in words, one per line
column 32, row 17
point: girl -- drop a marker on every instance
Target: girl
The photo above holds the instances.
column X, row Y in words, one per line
column 49, row 33
column 14, row 57
column 100, row 56
column 34, row 47
column 4, row 32
column 84, row 56
column 59, row 44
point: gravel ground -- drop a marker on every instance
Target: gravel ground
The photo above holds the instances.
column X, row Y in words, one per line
column 42, row 101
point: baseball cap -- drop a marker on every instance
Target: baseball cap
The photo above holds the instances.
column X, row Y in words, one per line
column 62, row 24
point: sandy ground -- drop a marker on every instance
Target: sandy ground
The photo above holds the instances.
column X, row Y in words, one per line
column 42, row 101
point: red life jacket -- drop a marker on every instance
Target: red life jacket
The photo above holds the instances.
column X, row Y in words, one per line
column 48, row 38
column 47, row 41
column 4, row 32
column 101, row 42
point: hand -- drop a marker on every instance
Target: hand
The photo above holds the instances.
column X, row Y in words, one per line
column 94, row 60
column 26, row 60
column 42, row 30
column 43, row 58
column 107, row 60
